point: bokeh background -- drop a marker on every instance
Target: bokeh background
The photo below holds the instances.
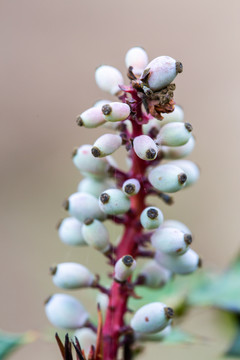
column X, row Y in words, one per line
column 49, row 52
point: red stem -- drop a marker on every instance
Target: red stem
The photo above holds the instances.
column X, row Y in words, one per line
column 128, row 246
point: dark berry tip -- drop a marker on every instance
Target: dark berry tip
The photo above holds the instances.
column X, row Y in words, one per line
column 188, row 239
column 150, row 154
column 88, row 221
column 95, row 151
column 127, row 260
column 152, row 213
column 182, row 178
column 129, row 189
column 188, row 127
column 169, row 312
column 106, row 109
column 79, row 121
column 179, row 67
column 104, row 198
column 53, row 270
column 74, row 152
column 66, row 204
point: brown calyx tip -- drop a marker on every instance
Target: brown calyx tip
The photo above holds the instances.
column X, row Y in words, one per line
column 188, row 239
column 171, row 87
column 169, row 312
column 200, row 262
column 150, row 154
column 106, row 109
column 79, row 121
column 182, row 178
column 127, row 260
column 88, row 221
column 104, row 198
column 152, row 213
column 74, row 152
column 95, row 151
column 53, row 270
column 66, row 204
column 179, row 67
column 129, row 189
column 47, row 300
column 188, row 127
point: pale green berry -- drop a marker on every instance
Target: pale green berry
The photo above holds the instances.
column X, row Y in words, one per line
column 124, row 268
column 108, row 78
column 83, row 206
column 65, row 311
column 162, row 71
column 178, row 152
column 86, row 337
column 152, row 124
column 184, row 264
column 151, row 318
column 145, row 147
column 137, row 58
column 167, row 178
column 114, row 202
column 177, row 225
column 96, row 235
column 70, row 232
column 84, row 160
column 91, row 118
column 174, row 134
column 71, row 275
column 171, row 241
column 177, row 115
column 191, row 170
column 116, row 111
column 151, row 217
column 131, row 187
column 102, row 300
column 106, row 145
column 95, row 187
column 155, row 275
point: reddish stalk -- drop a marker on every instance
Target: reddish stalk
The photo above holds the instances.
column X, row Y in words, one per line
column 119, row 293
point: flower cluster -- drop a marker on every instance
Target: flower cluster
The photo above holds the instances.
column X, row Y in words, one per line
column 151, row 127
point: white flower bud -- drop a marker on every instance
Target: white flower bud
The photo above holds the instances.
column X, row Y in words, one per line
column 167, row 178
column 174, row 134
column 190, row 169
column 70, row 232
column 137, row 58
column 124, row 267
column 145, row 147
column 65, row 311
column 177, row 225
column 108, row 78
column 86, row 337
column 184, row 264
column 152, row 124
column 151, row 217
column 176, row 116
column 155, row 275
column 71, row 275
column 131, row 187
column 95, row 187
column 171, row 241
column 91, row 118
column 84, row 160
column 114, row 202
column 151, row 318
column 106, row 145
column 83, row 206
column 116, row 111
column 178, row 152
column 163, row 71
column 102, row 300
column 96, row 235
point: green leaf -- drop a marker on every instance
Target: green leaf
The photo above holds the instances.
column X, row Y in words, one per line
column 222, row 291
column 234, row 350
column 9, row 342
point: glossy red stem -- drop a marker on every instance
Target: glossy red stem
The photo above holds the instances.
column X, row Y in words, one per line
column 119, row 295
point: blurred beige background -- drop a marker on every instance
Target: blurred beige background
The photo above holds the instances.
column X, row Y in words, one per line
column 49, row 51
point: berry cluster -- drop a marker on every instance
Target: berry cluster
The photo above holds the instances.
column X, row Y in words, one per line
column 146, row 121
